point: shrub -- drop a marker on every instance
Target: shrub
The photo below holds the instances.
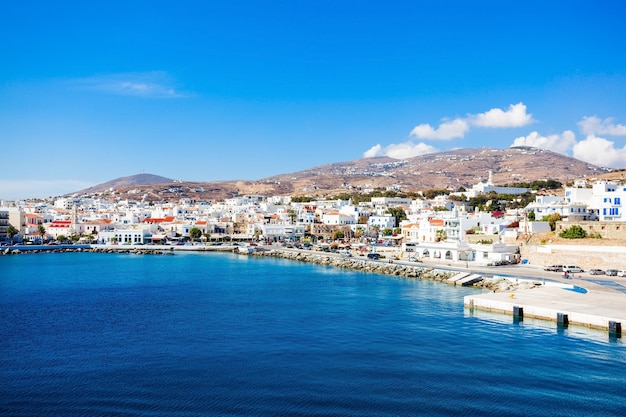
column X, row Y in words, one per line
column 574, row 232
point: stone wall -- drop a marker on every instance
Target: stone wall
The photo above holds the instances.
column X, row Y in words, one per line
column 587, row 257
column 608, row 230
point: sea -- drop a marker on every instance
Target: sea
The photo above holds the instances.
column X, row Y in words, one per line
column 222, row 334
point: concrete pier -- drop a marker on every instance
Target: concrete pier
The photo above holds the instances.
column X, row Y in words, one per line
column 593, row 307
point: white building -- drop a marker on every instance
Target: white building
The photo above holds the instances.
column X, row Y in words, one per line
column 122, row 236
column 487, row 187
column 336, row 217
column 386, row 221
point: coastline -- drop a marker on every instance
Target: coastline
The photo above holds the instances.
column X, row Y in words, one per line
column 574, row 301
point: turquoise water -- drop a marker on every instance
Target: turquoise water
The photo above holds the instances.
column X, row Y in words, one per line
column 229, row 335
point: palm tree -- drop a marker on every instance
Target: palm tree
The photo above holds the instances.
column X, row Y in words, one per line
column 41, row 231
column 195, row 233
column 12, row 231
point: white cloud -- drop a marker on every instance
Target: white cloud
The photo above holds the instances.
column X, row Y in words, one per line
column 456, row 128
column 593, row 125
column 23, row 189
column 375, row 150
column 600, row 151
column 400, row 150
column 515, row 116
column 156, row 84
column 558, row 143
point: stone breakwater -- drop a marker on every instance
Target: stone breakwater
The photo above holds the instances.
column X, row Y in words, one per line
column 360, row 265
column 395, row 269
column 134, row 251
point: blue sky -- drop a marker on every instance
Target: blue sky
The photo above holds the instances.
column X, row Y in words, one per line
column 206, row 91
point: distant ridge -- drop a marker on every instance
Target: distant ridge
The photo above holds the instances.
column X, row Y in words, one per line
column 450, row 169
column 123, row 182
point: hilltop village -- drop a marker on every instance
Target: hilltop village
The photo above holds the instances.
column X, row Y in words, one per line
column 432, row 226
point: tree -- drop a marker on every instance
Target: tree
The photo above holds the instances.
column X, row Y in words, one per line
column 293, row 216
column 41, row 231
column 440, row 235
column 12, row 231
column 338, row 234
column 531, row 216
column 574, row 232
column 195, row 233
column 432, row 193
column 398, row 213
column 552, row 219
column 387, row 231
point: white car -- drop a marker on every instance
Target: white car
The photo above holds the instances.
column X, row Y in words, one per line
column 621, row 273
column 572, row 268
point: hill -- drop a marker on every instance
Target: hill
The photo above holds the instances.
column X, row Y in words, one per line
column 124, row 182
column 451, row 169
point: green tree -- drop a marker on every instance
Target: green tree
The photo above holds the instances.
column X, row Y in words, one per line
column 430, row 194
column 440, row 235
column 531, row 216
column 338, row 234
column 41, row 231
column 387, row 231
column 195, row 233
column 293, row 216
column 552, row 219
column 12, row 231
column 398, row 213
column 574, row 232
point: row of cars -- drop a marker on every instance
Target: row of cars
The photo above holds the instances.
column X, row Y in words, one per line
column 563, row 268
column 609, row 272
column 568, row 269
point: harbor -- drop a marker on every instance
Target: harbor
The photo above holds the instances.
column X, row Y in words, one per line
column 519, row 291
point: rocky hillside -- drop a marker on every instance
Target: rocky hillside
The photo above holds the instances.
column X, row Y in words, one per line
column 462, row 167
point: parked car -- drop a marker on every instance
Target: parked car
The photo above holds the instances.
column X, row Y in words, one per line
column 572, row 268
column 554, row 268
column 611, row 272
column 596, row 272
column 621, row 273
column 374, row 256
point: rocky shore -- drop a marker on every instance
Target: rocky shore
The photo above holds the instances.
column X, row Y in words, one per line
column 491, row 284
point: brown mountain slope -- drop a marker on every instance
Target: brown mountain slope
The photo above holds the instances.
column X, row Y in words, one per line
column 139, row 179
column 462, row 167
